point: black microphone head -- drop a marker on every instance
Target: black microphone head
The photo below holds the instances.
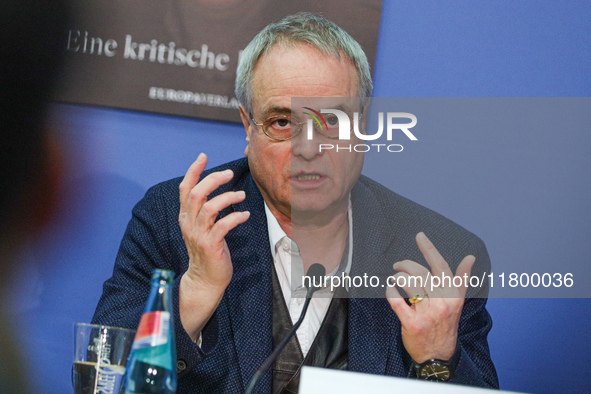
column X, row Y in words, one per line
column 316, row 273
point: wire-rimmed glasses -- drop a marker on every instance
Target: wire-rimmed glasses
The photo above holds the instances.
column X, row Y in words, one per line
column 283, row 127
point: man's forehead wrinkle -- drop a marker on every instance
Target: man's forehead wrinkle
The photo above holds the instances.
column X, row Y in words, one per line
column 275, row 101
column 340, row 107
column 313, row 85
column 275, row 110
column 272, row 109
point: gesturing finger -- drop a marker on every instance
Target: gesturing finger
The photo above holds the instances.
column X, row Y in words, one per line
column 227, row 223
column 434, row 259
column 190, row 180
column 465, row 268
column 199, row 194
column 210, row 210
column 398, row 304
column 412, row 285
column 411, row 268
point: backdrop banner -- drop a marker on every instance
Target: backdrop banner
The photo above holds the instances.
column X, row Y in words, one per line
column 180, row 57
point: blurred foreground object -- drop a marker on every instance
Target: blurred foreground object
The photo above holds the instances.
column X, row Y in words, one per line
column 31, row 48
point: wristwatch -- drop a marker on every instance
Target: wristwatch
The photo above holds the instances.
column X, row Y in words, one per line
column 438, row 370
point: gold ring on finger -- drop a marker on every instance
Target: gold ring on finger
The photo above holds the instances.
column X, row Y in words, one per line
column 416, row 299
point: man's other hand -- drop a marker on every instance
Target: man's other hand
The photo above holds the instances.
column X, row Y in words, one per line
column 210, row 265
column 430, row 326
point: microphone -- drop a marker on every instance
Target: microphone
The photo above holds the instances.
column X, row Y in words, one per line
column 316, row 274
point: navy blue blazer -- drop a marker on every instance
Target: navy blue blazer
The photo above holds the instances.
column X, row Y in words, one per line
column 238, row 337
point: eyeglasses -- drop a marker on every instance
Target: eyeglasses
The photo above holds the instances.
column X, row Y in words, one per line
column 282, row 127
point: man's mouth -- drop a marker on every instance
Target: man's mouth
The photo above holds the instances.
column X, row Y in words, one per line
column 308, row 177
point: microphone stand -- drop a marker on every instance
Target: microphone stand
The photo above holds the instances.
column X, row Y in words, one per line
column 315, row 271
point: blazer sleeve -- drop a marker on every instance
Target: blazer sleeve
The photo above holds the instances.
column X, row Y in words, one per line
column 475, row 366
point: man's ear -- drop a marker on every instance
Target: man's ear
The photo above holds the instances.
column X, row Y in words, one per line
column 246, row 122
column 363, row 122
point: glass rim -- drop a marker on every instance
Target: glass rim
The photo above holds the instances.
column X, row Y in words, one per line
column 102, row 326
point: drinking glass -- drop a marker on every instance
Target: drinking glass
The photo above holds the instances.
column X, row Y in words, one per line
column 100, row 356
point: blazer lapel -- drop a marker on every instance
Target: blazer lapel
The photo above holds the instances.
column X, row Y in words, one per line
column 250, row 293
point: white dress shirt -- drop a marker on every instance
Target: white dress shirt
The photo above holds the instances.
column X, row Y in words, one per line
column 290, row 270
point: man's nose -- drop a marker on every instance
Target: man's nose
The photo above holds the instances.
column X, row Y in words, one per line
column 305, row 145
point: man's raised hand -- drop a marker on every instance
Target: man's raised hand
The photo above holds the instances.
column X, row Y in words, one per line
column 430, row 326
column 210, row 266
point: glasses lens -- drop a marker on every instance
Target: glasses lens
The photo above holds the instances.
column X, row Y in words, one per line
column 331, row 127
column 278, row 127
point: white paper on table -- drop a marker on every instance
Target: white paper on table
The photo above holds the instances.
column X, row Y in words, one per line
column 322, row 380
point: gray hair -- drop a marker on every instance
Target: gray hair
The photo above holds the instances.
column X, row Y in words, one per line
column 303, row 27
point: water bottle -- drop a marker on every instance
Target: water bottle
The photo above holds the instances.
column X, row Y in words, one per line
column 151, row 368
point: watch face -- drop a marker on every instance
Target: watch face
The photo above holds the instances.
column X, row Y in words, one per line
column 435, row 371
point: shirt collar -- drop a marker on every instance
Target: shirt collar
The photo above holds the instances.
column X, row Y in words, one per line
column 276, row 233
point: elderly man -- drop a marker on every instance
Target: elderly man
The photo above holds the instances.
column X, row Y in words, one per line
column 239, row 232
